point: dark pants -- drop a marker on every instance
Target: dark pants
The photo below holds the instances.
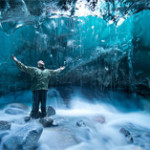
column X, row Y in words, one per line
column 39, row 96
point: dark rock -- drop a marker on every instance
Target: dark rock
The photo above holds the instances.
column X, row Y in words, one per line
column 2, row 135
column 13, row 111
column 4, row 125
column 32, row 138
column 25, row 138
column 140, row 135
column 27, row 118
column 18, row 105
column 16, row 108
column 46, row 122
column 81, row 123
column 50, row 111
column 127, row 134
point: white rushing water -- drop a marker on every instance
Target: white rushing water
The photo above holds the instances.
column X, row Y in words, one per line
column 90, row 126
column 99, row 127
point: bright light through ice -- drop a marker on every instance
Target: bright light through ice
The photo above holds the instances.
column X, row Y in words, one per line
column 120, row 21
column 19, row 25
column 0, row 15
column 111, row 22
column 82, row 9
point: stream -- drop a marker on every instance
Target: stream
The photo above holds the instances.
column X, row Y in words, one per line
column 104, row 123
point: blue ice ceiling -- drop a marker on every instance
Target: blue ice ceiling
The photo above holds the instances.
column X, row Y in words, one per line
column 103, row 44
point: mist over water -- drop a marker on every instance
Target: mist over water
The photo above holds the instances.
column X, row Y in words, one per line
column 105, row 135
column 91, row 123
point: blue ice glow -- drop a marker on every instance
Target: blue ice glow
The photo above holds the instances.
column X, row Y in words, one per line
column 80, row 40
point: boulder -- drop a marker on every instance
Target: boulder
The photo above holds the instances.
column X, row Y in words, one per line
column 27, row 118
column 50, row 111
column 2, row 134
column 4, row 125
column 14, row 111
column 16, row 108
column 18, row 105
column 127, row 134
column 24, row 138
column 81, row 123
column 46, row 122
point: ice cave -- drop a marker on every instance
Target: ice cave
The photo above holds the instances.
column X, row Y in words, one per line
column 75, row 74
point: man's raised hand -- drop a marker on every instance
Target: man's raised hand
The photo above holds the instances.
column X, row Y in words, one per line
column 62, row 68
column 14, row 58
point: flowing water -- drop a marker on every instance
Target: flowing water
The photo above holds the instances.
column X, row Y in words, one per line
column 92, row 124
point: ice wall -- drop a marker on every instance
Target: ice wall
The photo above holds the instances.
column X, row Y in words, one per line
column 103, row 44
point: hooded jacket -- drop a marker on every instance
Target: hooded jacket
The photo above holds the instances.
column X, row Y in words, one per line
column 39, row 77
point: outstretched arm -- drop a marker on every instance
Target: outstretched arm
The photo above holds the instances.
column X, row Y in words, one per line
column 57, row 71
column 23, row 67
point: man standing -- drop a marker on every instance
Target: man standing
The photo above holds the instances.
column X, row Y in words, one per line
column 40, row 78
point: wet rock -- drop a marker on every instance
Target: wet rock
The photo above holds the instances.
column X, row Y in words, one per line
column 18, row 105
column 13, row 111
column 4, row 125
column 140, row 135
column 59, row 121
column 85, row 125
column 25, row 138
column 50, row 111
column 16, row 108
column 32, row 138
column 46, row 122
column 81, row 123
column 60, row 138
column 27, row 118
column 2, row 135
column 127, row 134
